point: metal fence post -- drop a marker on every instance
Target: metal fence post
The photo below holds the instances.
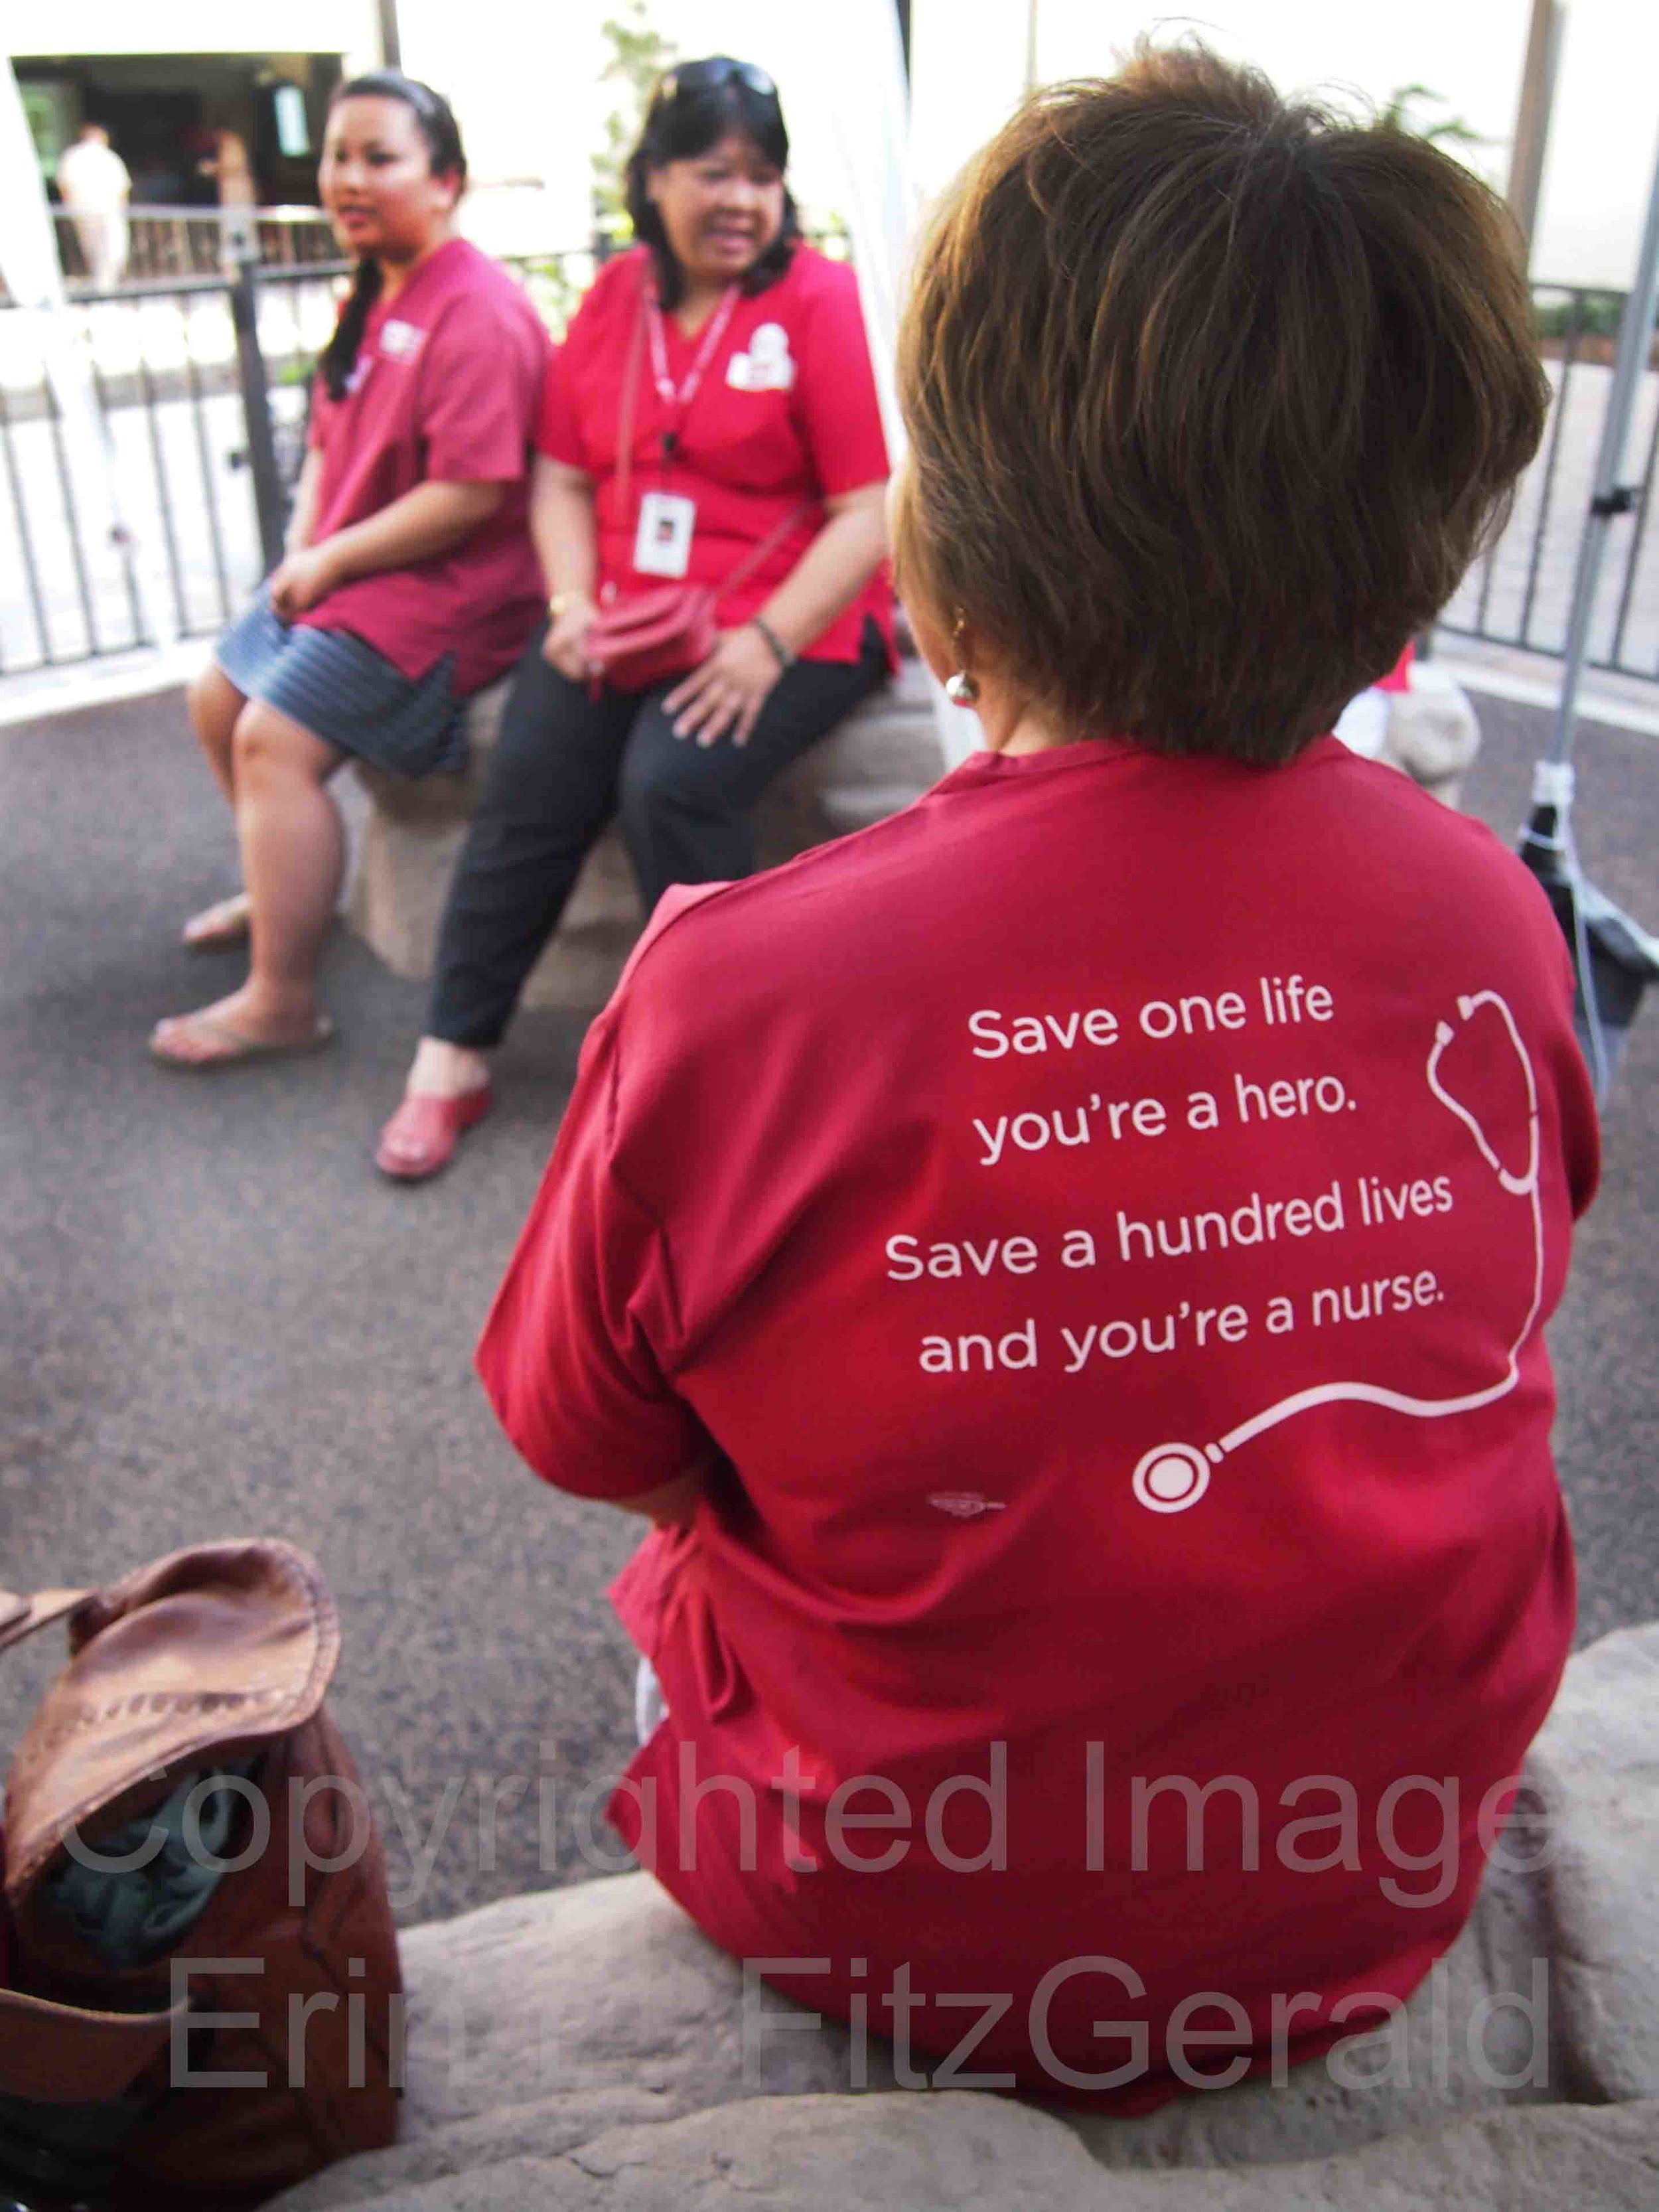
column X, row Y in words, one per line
column 270, row 499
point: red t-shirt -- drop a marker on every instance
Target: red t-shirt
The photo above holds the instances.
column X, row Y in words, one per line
column 753, row 443
column 447, row 381
column 1090, row 1215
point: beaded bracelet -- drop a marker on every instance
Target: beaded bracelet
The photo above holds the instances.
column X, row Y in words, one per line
column 785, row 657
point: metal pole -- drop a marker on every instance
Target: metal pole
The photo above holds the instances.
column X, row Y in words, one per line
column 1613, row 958
column 1608, row 497
column 392, row 45
column 1031, row 46
column 1532, row 121
column 270, row 499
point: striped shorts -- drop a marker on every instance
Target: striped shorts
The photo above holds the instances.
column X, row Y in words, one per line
column 345, row 693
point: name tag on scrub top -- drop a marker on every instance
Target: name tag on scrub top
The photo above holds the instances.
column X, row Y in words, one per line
column 662, row 543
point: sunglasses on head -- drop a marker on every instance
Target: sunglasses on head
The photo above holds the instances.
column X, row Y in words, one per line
column 709, row 75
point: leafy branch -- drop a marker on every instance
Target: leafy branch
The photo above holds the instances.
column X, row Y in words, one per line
column 1401, row 112
column 638, row 57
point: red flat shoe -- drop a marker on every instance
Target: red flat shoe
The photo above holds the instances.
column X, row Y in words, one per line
column 422, row 1135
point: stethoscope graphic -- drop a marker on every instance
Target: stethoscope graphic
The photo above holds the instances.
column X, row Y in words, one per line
column 1171, row 1478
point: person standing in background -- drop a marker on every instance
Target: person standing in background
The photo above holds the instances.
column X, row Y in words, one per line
column 95, row 187
column 233, row 175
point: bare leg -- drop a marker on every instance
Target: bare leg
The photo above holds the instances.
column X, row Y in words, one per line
column 215, row 703
column 294, row 859
column 293, row 854
column 441, row 1070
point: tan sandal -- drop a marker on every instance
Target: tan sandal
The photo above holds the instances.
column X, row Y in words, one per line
column 233, row 1048
column 221, row 927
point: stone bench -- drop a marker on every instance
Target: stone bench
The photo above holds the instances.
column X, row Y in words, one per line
column 884, row 754
column 586, row 2050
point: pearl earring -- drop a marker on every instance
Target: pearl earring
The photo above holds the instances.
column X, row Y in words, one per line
column 961, row 689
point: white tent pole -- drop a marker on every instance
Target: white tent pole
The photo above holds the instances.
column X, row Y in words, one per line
column 1609, row 496
column 1591, row 923
column 864, row 93
column 1533, row 111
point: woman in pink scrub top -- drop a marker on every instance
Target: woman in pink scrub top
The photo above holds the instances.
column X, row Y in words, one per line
column 409, row 580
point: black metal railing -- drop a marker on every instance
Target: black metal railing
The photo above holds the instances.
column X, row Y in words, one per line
column 152, row 513
column 1520, row 593
column 151, row 244
column 195, row 426
column 131, row 519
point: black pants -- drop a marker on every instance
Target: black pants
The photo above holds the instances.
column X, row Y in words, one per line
column 563, row 765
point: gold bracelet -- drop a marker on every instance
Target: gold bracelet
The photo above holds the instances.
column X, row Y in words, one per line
column 561, row 602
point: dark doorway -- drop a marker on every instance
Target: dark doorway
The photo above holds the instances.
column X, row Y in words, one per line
column 165, row 112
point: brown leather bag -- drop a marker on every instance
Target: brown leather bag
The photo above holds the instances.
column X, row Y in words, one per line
column 211, row 1660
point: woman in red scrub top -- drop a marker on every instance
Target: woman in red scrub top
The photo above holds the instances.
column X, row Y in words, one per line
column 410, row 580
column 757, row 463
column 1065, row 1267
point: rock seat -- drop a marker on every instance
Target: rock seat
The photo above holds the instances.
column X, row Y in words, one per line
column 884, row 754
column 586, row 2050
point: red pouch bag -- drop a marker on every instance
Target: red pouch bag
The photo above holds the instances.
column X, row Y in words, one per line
column 645, row 637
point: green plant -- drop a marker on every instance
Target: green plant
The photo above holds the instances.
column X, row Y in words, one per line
column 1591, row 314
column 555, row 290
column 639, row 55
column 1401, row 112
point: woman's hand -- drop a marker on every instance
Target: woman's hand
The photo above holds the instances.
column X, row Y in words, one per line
column 724, row 693
column 565, row 645
column 428, row 520
column 303, row 580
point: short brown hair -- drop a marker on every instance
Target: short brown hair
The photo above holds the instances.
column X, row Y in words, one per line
column 1212, row 399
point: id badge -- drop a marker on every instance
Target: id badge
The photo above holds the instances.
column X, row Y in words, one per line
column 662, row 545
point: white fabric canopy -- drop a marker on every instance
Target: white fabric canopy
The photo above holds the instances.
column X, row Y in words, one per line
column 859, row 108
column 29, row 263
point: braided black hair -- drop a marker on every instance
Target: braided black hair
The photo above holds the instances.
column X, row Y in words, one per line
column 436, row 122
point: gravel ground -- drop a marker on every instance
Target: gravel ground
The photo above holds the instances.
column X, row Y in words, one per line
column 217, row 1318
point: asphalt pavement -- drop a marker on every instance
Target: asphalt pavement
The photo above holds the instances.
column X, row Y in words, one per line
column 218, row 1320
